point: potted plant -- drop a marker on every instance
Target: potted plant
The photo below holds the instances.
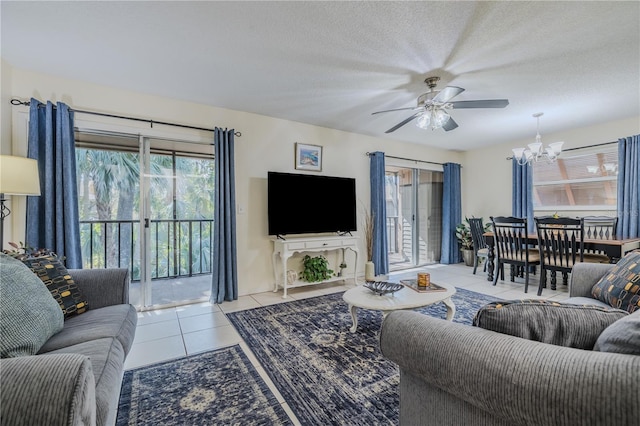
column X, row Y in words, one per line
column 463, row 234
column 316, row 269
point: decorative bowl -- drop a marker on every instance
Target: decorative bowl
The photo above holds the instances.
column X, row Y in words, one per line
column 382, row 287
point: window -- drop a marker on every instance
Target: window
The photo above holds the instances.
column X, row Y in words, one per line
column 579, row 182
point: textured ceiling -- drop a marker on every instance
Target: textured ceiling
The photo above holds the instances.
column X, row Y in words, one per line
column 334, row 63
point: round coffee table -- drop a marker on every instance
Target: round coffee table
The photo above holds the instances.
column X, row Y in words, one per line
column 405, row 298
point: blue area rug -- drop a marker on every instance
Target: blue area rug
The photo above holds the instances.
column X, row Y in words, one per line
column 326, row 374
column 214, row 388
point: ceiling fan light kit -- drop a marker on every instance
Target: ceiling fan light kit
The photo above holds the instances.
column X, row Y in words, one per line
column 534, row 151
column 433, row 118
column 432, row 110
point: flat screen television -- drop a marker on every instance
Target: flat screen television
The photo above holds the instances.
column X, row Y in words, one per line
column 306, row 204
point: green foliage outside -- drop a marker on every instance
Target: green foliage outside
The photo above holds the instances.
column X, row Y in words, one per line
column 181, row 189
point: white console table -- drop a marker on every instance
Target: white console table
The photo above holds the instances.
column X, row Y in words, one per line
column 284, row 249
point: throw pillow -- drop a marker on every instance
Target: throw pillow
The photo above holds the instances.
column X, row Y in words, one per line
column 29, row 316
column 562, row 324
column 620, row 288
column 623, row 336
column 57, row 279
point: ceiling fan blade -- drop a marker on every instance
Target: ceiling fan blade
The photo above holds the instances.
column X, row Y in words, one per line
column 402, row 123
column 448, row 93
column 450, row 124
column 397, row 109
column 486, row 103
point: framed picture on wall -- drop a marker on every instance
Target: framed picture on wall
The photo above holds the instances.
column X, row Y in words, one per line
column 308, row 157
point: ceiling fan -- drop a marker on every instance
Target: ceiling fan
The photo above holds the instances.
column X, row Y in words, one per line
column 433, row 106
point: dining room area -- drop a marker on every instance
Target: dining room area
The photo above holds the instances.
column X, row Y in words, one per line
column 551, row 251
column 578, row 207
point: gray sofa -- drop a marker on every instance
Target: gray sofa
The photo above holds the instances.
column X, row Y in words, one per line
column 76, row 376
column 453, row 374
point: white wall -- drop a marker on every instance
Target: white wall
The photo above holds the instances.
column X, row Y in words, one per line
column 487, row 173
column 267, row 144
column 5, row 108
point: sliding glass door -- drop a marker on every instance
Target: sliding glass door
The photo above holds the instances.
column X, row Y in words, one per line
column 414, row 216
column 146, row 204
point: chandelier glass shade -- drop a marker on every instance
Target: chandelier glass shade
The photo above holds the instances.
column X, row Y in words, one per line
column 433, row 118
column 535, row 151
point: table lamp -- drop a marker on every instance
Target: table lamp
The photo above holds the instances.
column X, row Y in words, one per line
column 18, row 176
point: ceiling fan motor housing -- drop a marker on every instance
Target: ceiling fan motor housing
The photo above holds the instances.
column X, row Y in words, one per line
column 426, row 98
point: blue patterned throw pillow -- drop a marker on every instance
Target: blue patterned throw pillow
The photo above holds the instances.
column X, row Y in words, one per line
column 620, row 288
column 55, row 276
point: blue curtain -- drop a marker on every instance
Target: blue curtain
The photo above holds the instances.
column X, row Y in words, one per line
column 53, row 218
column 224, row 285
column 522, row 193
column 451, row 213
column 629, row 187
column 379, row 212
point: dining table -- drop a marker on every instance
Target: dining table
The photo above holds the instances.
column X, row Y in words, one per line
column 614, row 248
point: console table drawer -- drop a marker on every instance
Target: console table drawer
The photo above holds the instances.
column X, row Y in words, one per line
column 296, row 246
column 348, row 243
column 322, row 244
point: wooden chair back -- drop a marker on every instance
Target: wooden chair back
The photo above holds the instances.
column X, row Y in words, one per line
column 600, row 227
column 560, row 242
column 510, row 236
column 477, row 231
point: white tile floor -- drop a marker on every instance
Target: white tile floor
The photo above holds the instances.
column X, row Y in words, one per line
column 176, row 332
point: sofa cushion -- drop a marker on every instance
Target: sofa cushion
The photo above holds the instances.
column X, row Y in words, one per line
column 620, row 288
column 585, row 301
column 623, row 336
column 107, row 361
column 55, row 276
column 117, row 321
column 29, row 316
column 562, row 324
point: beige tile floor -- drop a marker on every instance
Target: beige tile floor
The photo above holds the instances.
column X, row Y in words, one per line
column 186, row 330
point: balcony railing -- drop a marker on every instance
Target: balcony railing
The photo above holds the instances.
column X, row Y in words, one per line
column 177, row 248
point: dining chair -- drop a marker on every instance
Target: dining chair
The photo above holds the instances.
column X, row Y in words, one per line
column 512, row 247
column 561, row 245
column 480, row 247
column 600, row 228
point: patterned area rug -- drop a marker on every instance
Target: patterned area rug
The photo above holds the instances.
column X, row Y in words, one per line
column 214, row 388
column 326, row 374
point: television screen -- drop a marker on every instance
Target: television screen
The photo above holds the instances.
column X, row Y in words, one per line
column 305, row 204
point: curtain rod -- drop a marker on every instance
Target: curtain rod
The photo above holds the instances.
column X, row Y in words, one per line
column 590, row 146
column 582, row 147
column 368, row 154
column 145, row 120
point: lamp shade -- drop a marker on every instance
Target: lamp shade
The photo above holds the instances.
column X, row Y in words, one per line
column 19, row 176
column 556, row 147
column 424, row 120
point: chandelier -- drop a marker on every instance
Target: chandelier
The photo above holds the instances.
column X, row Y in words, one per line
column 433, row 117
column 534, row 151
